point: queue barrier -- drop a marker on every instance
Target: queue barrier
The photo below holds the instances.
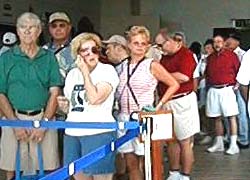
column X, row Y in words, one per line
column 133, row 127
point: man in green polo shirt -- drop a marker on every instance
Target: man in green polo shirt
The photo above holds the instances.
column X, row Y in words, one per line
column 29, row 85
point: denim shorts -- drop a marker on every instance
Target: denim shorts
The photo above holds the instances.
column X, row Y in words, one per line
column 77, row 146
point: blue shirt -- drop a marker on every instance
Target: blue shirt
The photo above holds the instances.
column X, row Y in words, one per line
column 64, row 57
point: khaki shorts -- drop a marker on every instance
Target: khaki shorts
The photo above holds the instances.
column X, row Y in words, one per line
column 186, row 116
column 9, row 148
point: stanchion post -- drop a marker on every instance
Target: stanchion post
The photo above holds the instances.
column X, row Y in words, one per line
column 147, row 144
column 157, row 159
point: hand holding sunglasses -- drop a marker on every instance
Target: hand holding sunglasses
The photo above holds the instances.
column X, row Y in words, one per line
column 82, row 65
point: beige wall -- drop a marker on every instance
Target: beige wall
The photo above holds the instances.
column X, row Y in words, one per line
column 116, row 17
column 196, row 18
column 75, row 9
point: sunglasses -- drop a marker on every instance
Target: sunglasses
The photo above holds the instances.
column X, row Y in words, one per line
column 60, row 25
column 177, row 39
column 94, row 49
column 155, row 45
column 136, row 43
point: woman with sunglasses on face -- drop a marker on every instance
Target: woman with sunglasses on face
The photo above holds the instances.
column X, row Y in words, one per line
column 138, row 81
column 89, row 96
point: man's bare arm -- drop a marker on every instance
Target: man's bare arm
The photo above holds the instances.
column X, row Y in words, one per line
column 181, row 78
column 6, row 108
column 52, row 103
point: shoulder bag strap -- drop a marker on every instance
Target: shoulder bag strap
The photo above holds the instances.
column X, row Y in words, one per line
column 61, row 48
column 129, row 77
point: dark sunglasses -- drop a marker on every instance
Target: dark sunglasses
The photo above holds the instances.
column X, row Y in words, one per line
column 177, row 39
column 94, row 49
column 155, row 45
column 60, row 25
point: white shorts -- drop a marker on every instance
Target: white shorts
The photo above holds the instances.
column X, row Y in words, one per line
column 221, row 102
column 133, row 145
column 186, row 116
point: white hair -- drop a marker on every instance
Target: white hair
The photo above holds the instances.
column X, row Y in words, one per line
column 29, row 16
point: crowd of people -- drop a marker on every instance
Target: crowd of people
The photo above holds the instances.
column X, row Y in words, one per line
column 88, row 79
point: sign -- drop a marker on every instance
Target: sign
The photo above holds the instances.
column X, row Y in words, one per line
column 241, row 23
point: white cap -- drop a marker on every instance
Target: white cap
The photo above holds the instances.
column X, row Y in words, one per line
column 116, row 39
column 60, row 16
column 9, row 38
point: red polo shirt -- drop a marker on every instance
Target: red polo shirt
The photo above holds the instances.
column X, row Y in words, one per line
column 222, row 68
column 183, row 62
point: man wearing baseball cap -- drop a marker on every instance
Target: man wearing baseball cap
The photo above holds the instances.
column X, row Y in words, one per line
column 116, row 49
column 60, row 31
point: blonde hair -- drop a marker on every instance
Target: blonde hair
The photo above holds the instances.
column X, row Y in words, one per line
column 135, row 30
column 82, row 38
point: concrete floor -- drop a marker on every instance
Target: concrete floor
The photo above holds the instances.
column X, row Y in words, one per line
column 216, row 166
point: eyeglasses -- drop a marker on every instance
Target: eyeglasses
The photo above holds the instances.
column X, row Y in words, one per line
column 136, row 43
column 93, row 49
column 60, row 25
column 26, row 27
column 178, row 39
column 157, row 45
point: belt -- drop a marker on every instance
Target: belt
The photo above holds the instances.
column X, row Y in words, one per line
column 181, row 95
column 220, row 86
column 29, row 113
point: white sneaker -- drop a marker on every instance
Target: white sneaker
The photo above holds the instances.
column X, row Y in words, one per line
column 216, row 148
column 233, row 150
column 205, row 140
column 174, row 176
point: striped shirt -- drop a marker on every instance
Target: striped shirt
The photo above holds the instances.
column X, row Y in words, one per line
column 142, row 83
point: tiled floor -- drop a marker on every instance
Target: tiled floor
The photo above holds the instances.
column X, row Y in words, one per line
column 216, row 166
column 219, row 166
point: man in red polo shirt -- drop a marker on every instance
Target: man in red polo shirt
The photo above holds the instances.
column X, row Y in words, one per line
column 221, row 71
column 179, row 61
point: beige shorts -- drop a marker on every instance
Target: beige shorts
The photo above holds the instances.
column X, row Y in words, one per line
column 186, row 116
column 9, row 148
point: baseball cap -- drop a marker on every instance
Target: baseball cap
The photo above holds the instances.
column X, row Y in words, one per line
column 116, row 39
column 59, row 16
column 9, row 38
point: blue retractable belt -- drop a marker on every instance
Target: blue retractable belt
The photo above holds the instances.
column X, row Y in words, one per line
column 18, row 175
column 133, row 128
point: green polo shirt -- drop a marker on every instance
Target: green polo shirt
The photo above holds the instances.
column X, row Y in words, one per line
column 26, row 82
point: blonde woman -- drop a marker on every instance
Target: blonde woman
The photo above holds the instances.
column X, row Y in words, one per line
column 89, row 96
column 138, row 81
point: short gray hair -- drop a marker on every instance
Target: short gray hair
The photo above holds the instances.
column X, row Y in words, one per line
column 181, row 34
column 28, row 16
